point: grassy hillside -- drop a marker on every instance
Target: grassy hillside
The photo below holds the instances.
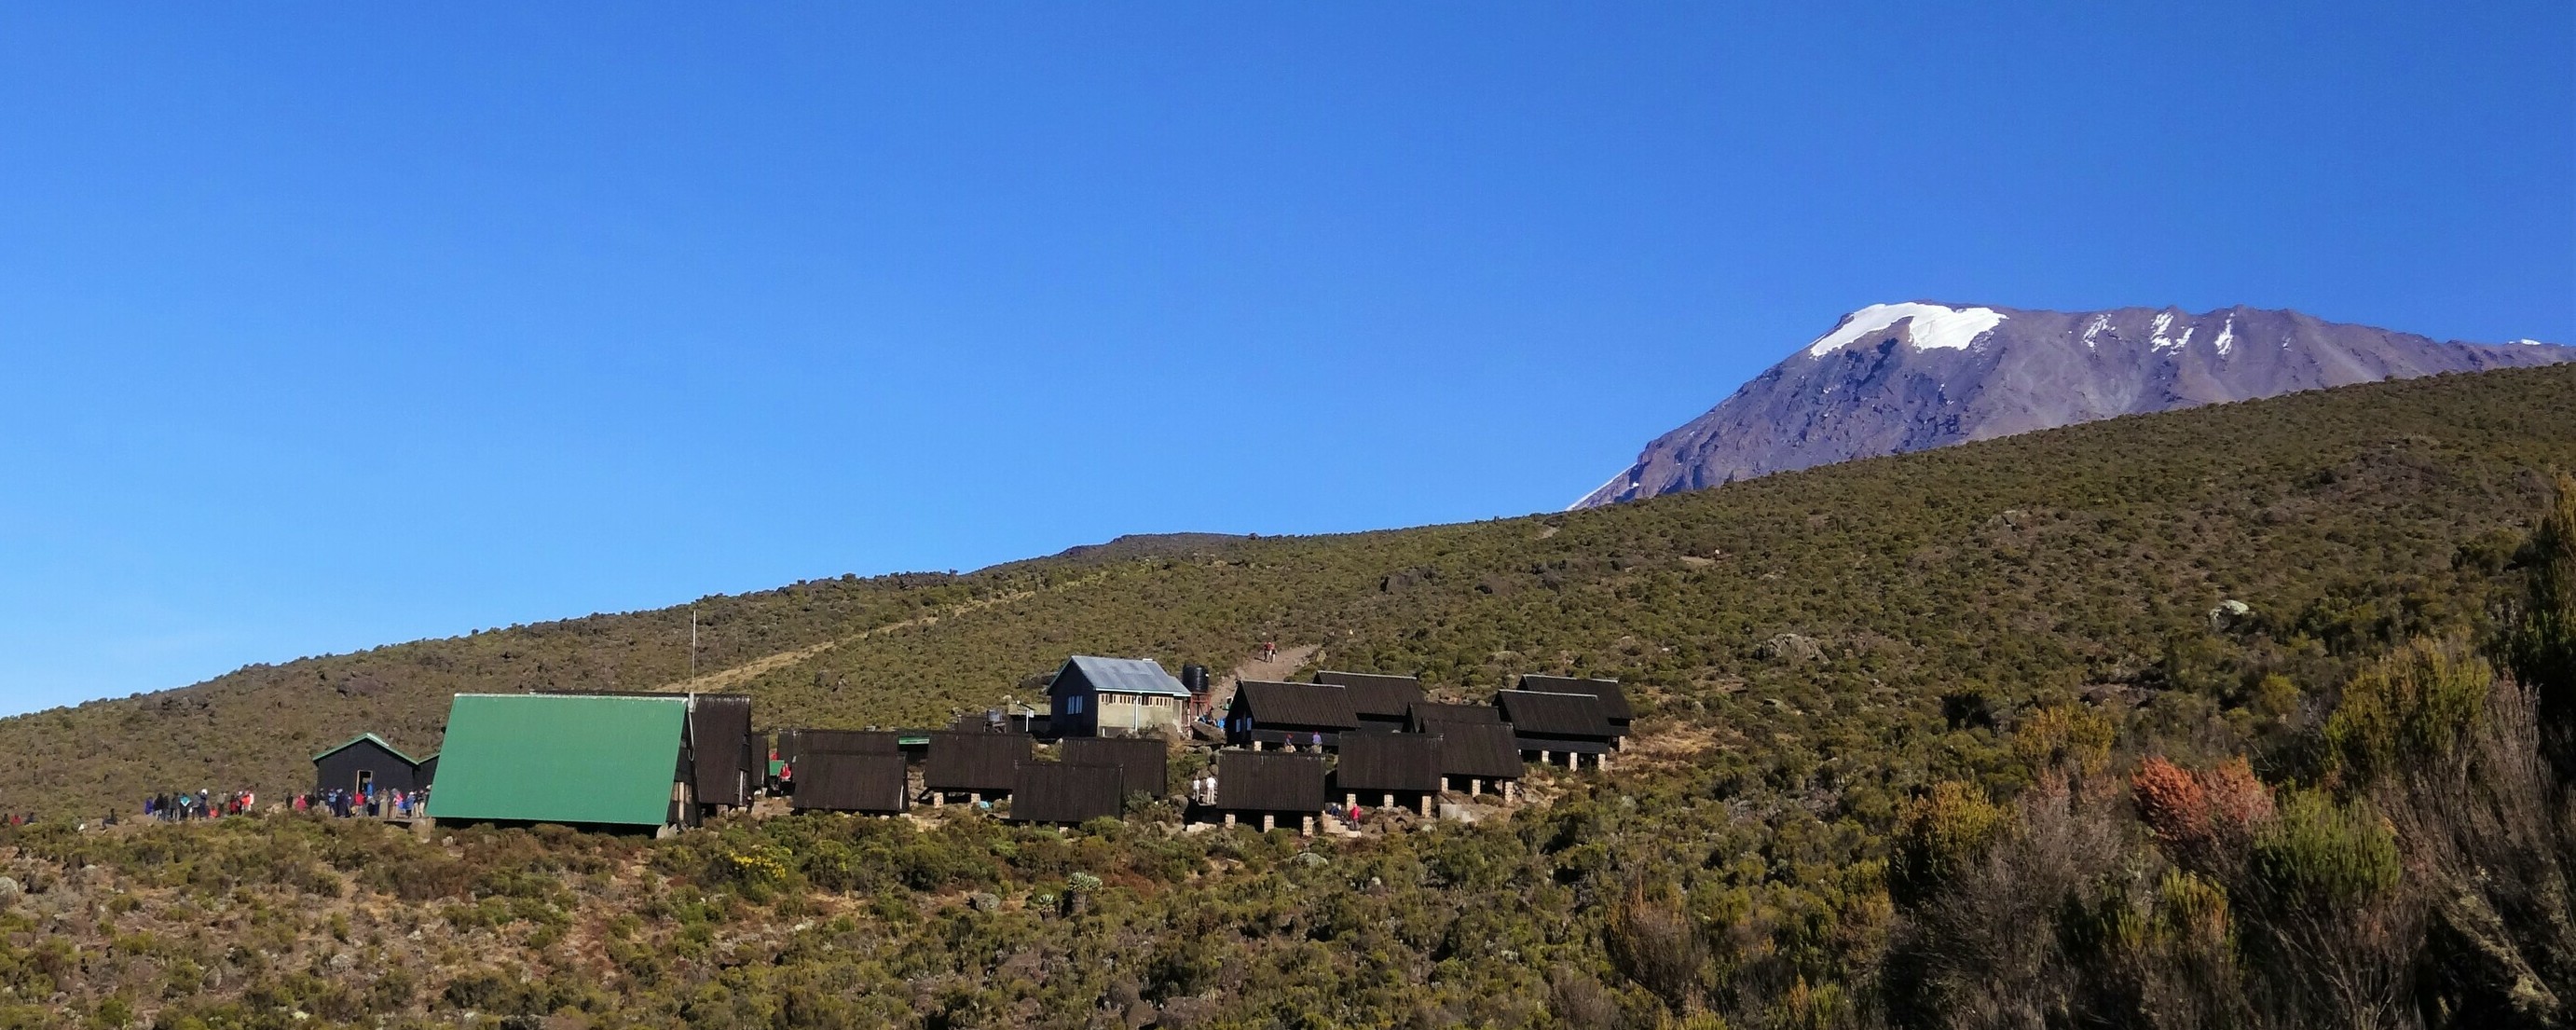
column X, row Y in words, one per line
column 2037, row 567
column 1944, row 740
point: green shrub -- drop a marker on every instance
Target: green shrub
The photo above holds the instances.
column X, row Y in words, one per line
column 2320, row 856
column 1940, row 834
column 2412, row 706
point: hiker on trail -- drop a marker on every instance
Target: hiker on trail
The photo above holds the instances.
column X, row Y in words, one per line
column 1269, row 651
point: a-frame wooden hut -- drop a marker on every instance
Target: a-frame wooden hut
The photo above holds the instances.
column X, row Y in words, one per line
column 1548, row 725
column 978, row 765
column 1270, row 786
column 1379, row 702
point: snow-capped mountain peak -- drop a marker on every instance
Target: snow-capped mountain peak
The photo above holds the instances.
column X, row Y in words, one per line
column 1928, row 326
column 1902, row 377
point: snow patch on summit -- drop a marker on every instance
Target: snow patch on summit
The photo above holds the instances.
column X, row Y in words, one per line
column 1931, row 326
column 2161, row 342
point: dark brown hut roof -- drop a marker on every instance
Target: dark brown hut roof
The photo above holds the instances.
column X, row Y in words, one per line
column 1483, row 749
column 1144, row 764
column 1375, row 694
column 720, row 746
column 844, row 742
column 1614, row 701
column 838, row 782
column 1423, row 715
column 975, row 761
column 1388, row 761
column 1062, row 792
column 1319, row 706
column 1533, row 713
column 1258, row 781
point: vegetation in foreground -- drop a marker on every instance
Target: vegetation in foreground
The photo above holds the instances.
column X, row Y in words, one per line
column 2016, row 767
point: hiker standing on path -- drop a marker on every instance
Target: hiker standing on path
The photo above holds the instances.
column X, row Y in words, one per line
column 1269, row 651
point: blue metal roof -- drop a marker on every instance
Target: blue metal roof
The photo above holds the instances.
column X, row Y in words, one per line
column 1127, row 675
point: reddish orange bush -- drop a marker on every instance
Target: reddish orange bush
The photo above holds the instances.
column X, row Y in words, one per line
column 2172, row 802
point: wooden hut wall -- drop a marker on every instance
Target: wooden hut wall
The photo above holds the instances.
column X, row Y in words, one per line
column 720, row 745
column 836, row 782
column 426, row 773
column 985, row 762
column 1379, row 762
column 1487, row 750
column 385, row 769
column 1145, row 764
column 1259, row 781
column 1063, row 792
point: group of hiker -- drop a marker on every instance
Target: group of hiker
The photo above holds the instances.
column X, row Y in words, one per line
column 373, row 804
column 184, row 807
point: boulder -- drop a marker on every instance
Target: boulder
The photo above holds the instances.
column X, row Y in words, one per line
column 1792, row 648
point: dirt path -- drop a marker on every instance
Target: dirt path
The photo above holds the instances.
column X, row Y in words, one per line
column 1279, row 668
column 724, row 679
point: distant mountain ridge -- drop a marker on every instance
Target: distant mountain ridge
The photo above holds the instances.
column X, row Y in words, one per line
column 1893, row 378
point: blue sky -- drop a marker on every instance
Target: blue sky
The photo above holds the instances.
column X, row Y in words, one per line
column 329, row 327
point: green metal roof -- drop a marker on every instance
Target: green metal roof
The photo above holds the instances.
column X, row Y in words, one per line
column 560, row 758
column 380, row 742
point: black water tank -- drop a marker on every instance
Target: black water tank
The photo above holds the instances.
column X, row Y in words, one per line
column 1194, row 678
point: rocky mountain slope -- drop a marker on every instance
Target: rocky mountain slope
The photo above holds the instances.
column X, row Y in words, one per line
column 1893, row 378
